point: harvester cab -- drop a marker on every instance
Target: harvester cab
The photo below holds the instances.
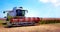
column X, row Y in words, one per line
column 20, row 11
column 16, row 12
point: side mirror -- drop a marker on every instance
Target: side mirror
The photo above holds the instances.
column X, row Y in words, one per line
column 26, row 11
column 5, row 17
column 4, row 12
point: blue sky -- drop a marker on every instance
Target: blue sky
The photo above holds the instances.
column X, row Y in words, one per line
column 36, row 8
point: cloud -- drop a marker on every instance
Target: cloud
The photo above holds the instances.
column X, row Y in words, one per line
column 54, row 2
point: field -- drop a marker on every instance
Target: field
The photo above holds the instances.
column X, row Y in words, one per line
column 55, row 27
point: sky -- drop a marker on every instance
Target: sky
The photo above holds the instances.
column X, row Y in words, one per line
column 36, row 8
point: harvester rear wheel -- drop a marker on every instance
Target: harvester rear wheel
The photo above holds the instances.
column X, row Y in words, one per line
column 8, row 25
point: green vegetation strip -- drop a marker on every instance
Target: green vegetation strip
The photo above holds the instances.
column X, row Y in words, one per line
column 49, row 21
column 1, row 22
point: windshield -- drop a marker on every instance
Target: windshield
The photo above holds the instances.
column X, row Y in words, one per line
column 20, row 12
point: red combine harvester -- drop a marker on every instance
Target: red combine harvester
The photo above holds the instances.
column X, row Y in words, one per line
column 16, row 17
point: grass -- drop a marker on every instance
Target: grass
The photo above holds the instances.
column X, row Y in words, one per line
column 1, row 21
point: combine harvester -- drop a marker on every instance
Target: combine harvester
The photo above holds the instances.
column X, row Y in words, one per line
column 16, row 17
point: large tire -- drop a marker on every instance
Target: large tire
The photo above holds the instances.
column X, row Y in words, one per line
column 8, row 25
